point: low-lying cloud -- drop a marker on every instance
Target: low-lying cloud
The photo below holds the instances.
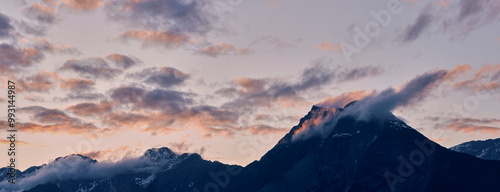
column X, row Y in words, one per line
column 375, row 105
column 75, row 167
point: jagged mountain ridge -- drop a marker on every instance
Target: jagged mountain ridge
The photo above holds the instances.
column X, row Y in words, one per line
column 177, row 169
column 356, row 156
column 487, row 149
column 352, row 155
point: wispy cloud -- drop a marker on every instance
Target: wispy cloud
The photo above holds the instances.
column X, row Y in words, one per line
column 164, row 16
column 53, row 121
column 164, row 77
column 381, row 104
column 41, row 13
column 156, row 38
column 332, row 47
column 472, row 125
column 275, row 41
column 123, row 61
column 257, row 93
column 6, row 29
column 91, row 68
column 45, row 45
column 77, row 84
column 20, row 56
column 485, row 79
column 127, row 94
column 41, row 82
column 343, row 99
column 217, row 50
column 83, row 5
column 13, row 58
column 376, row 105
column 91, row 109
column 74, row 167
column 420, row 25
column 44, row 115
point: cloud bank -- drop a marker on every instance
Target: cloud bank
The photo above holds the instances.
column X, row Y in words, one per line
column 75, row 167
column 375, row 105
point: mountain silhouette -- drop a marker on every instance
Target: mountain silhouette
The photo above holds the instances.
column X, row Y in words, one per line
column 487, row 149
column 329, row 150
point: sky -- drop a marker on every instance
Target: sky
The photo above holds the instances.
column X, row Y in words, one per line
column 227, row 79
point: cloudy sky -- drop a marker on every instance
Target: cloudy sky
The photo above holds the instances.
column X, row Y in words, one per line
column 228, row 78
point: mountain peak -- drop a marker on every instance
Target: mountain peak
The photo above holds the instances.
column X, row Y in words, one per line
column 75, row 156
column 159, row 154
column 323, row 121
column 350, row 104
column 487, row 149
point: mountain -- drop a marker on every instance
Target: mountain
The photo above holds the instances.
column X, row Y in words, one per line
column 488, row 149
column 329, row 150
column 156, row 170
column 381, row 154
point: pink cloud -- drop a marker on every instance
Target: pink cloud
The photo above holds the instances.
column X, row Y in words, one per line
column 159, row 38
column 328, row 47
column 83, row 5
column 220, row 49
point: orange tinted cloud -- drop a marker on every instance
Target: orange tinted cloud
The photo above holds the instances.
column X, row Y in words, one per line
column 265, row 129
column 72, row 129
column 53, row 121
column 50, row 2
column 77, row 84
column 122, row 60
column 40, row 82
column 93, row 67
column 127, row 94
column 480, row 129
column 444, row 3
column 113, row 154
column 13, row 58
column 343, row 99
column 44, row 115
column 313, row 123
column 126, row 119
column 7, row 142
column 273, row 3
column 458, row 70
column 167, row 39
column 41, row 13
column 83, row 5
column 89, row 109
column 44, row 8
column 488, row 70
column 216, row 50
column 328, row 47
column 165, row 77
column 250, row 85
column 46, row 45
column 468, row 125
column 485, row 79
column 34, row 98
column 293, row 101
column 211, row 121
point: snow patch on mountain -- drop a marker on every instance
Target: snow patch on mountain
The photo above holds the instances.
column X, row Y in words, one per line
column 146, row 181
column 345, row 134
column 487, row 149
column 74, row 167
column 85, row 189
